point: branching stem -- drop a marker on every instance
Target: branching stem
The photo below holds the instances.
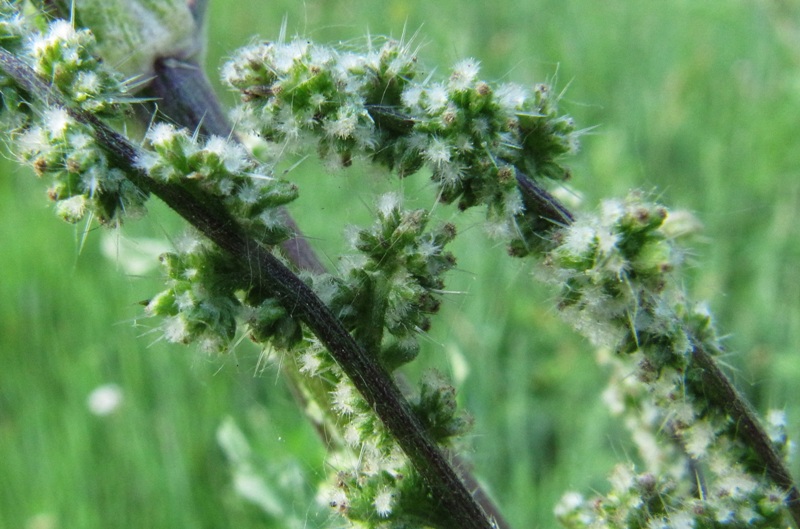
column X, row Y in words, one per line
column 184, row 96
column 458, row 508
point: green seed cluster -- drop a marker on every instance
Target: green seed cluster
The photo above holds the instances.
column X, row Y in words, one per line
column 438, row 410
column 57, row 146
column 679, row 450
column 66, row 57
column 615, row 267
column 224, row 174
column 199, row 304
column 208, row 299
column 472, row 136
column 735, row 499
column 85, row 182
column 615, row 271
column 374, row 484
column 386, row 295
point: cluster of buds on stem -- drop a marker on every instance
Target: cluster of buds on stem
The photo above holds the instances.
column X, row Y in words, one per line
column 225, row 174
column 616, row 274
column 384, row 296
column 393, row 283
column 615, row 271
column 58, row 146
column 472, row 136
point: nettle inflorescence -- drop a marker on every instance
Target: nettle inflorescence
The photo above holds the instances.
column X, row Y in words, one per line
column 221, row 173
column 57, row 145
column 207, row 299
column 393, row 284
column 389, row 288
column 66, row 58
column 384, row 297
column 373, row 482
column 474, row 137
column 616, row 273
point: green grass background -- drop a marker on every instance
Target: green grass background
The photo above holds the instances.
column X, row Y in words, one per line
column 695, row 101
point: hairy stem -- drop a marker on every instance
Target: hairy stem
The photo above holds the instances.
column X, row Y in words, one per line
column 723, row 394
column 370, row 379
column 184, row 96
column 457, row 505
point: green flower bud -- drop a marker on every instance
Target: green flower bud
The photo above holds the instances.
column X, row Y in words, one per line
column 72, row 209
column 270, row 322
column 174, row 265
column 163, row 304
column 654, row 257
column 399, row 352
column 406, row 159
column 437, row 407
column 279, row 193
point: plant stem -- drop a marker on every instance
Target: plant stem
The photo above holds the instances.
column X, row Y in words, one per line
column 179, row 89
column 457, row 505
column 718, row 388
column 369, row 378
column 541, row 205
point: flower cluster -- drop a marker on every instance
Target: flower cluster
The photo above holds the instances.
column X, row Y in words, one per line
column 222, row 171
column 735, row 499
column 199, row 304
column 298, row 88
column 84, row 179
column 208, row 299
column 472, row 136
column 393, row 285
column 615, row 272
column 372, row 480
column 384, row 297
column 49, row 137
column 66, row 57
column 390, row 289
